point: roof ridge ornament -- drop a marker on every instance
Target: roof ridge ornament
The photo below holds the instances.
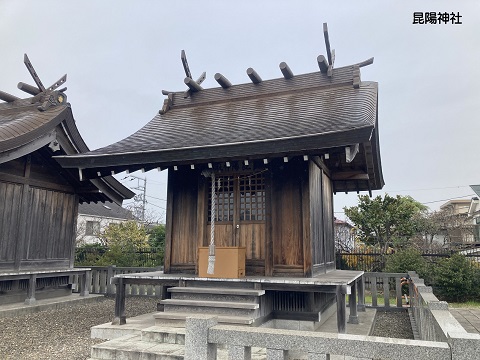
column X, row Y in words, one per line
column 330, row 53
column 193, row 85
column 47, row 96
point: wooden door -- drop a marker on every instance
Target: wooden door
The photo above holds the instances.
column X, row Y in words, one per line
column 240, row 213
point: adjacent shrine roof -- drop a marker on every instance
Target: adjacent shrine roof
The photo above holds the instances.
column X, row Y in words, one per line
column 45, row 123
column 329, row 113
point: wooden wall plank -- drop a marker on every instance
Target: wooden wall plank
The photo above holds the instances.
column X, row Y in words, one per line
column 287, row 215
column 184, row 220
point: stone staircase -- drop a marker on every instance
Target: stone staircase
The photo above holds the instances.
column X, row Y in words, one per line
column 156, row 342
column 166, row 339
column 231, row 305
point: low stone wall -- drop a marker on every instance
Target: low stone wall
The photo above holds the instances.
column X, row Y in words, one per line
column 203, row 335
column 441, row 337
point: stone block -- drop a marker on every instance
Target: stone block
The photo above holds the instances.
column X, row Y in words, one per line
column 464, row 346
column 196, row 338
column 239, row 352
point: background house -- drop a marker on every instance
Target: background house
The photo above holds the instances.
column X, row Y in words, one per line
column 456, row 224
column 344, row 236
column 94, row 218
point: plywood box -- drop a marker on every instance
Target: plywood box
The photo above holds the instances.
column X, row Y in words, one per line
column 229, row 262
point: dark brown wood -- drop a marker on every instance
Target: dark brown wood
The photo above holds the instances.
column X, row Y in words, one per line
column 33, row 73
column 286, row 71
column 120, row 317
column 192, row 84
column 352, row 303
column 341, row 311
column 322, row 64
column 366, row 62
column 268, row 225
column 222, row 80
column 327, row 43
column 307, row 223
column 183, row 56
column 169, row 223
column 29, row 89
column 8, row 97
column 201, row 217
column 252, row 74
column 58, row 83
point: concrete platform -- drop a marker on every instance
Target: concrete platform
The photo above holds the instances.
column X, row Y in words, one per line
column 135, row 325
column 16, row 309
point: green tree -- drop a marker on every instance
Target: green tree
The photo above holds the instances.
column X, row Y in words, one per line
column 456, row 279
column 123, row 241
column 156, row 236
column 386, row 222
column 406, row 260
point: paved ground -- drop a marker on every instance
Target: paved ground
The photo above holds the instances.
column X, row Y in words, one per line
column 469, row 318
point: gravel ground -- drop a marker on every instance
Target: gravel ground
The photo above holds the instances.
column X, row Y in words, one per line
column 62, row 334
column 393, row 324
column 65, row 334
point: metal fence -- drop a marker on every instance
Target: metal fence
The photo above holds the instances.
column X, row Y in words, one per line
column 376, row 262
column 146, row 257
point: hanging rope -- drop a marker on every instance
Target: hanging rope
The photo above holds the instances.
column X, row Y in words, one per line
column 211, row 248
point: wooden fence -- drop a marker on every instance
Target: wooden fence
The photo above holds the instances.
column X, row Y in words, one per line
column 101, row 275
column 384, row 288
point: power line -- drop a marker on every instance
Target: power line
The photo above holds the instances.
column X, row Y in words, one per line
column 153, row 197
column 458, row 197
column 425, row 189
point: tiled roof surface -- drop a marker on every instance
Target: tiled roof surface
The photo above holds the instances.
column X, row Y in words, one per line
column 108, row 210
column 22, row 124
column 285, row 116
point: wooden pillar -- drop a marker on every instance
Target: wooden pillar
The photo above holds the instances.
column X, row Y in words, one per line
column 85, row 283
column 341, row 310
column 32, row 285
column 169, row 223
column 268, row 224
column 120, row 317
column 352, row 301
column 307, row 222
column 201, row 216
column 361, row 293
column 21, row 233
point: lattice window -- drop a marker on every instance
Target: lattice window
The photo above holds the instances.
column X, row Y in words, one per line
column 252, row 197
column 249, row 190
column 224, row 186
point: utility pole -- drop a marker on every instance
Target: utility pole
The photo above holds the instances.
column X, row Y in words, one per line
column 141, row 197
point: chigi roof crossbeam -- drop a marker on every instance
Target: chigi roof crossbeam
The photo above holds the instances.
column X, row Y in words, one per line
column 325, row 64
column 47, row 97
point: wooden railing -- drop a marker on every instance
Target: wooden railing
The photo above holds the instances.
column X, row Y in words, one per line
column 101, row 275
column 384, row 285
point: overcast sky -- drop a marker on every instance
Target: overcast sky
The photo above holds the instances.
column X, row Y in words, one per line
column 119, row 55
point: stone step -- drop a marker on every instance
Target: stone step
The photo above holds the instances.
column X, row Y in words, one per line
column 164, row 334
column 210, row 304
column 216, row 294
column 210, row 307
column 132, row 347
column 214, row 290
column 215, row 297
column 178, row 318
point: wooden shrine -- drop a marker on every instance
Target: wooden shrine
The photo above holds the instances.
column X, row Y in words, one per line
column 254, row 167
column 277, row 150
column 38, row 198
